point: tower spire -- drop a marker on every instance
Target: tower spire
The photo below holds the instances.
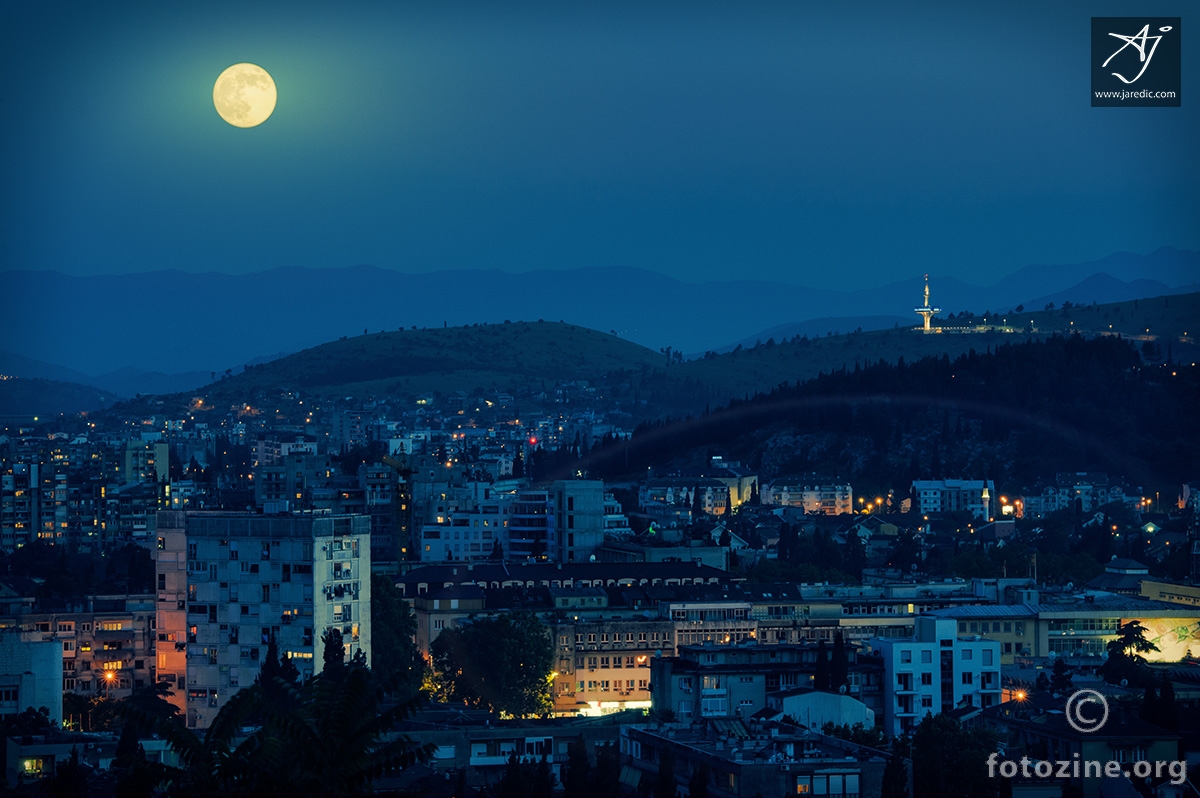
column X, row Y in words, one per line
column 925, row 311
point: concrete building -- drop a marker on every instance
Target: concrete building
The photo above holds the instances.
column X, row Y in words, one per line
column 227, row 582
column 1092, row 489
column 975, row 496
column 748, row 760
column 1080, row 627
column 711, row 681
column 30, row 673
column 531, row 532
column 812, row 493
column 581, row 513
column 603, row 665
column 814, row 708
column 935, row 671
column 107, row 643
column 146, row 461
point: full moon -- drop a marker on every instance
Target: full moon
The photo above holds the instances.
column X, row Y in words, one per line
column 244, row 95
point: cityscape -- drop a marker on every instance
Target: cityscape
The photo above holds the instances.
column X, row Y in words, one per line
column 362, row 500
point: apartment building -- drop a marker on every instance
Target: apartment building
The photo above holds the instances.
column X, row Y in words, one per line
column 107, row 643
column 228, row 582
column 812, row 493
column 935, row 671
column 975, row 496
column 603, row 665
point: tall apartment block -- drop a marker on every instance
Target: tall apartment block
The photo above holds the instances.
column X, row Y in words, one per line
column 228, row 581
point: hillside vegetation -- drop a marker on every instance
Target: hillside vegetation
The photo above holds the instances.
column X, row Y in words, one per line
column 527, row 357
column 1023, row 411
column 509, row 356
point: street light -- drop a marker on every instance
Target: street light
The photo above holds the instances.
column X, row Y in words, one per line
column 109, row 676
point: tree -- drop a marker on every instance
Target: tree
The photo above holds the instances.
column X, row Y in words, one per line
column 329, row 740
column 1149, row 710
column 394, row 653
column 664, row 785
column 606, row 782
column 577, row 773
column 839, row 663
column 698, row 783
column 1168, row 716
column 333, row 652
column 1125, row 661
column 500, row 662
column 513, row 783
column 949, row 762
column 542, row 782
column 1060, row 682
column 895, row 778
column 69, row 779
column 822, row 675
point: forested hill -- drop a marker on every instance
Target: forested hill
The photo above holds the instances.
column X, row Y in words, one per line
column 1016, row 414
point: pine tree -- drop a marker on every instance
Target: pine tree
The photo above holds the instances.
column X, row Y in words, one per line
column 839, row 665
column 895, row 778
column 1149, row 711
column 1168, row 716
column 664, row 786
column 576, row 776
column 822, row 675
column 698, row 783
column 1060, row 682
column 334, row 652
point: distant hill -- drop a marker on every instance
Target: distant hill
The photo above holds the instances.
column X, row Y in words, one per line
column 181, row 323
column 503, row 357
column 818, row 327
column 535, row 355
column 1018, row 413
column 22, row 398
column 16, row 365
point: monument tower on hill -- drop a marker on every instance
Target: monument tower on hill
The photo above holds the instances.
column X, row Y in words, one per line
column 925, row 311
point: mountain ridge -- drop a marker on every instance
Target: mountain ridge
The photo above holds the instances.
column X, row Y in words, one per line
column 173, row 322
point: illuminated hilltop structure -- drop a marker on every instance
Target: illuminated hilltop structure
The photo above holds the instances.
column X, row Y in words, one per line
column 925, row 311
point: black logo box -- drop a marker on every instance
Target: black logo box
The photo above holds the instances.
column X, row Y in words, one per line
column 1161, row 73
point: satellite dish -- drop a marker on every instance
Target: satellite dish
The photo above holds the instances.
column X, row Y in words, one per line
column 592, row 558
column 1124, row 682
column 842, row 689
column 1070, row 585
column 1051, row 655
column 912, row 567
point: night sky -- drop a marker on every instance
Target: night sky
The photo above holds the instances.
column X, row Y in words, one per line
column 832, row 146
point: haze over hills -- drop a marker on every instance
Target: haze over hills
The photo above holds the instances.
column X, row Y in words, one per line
column 170, row 329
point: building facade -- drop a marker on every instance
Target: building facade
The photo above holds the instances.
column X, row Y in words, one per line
column 229, row 582
column 935, row 671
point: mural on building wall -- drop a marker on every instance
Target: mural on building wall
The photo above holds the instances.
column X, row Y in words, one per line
column 1176, row 638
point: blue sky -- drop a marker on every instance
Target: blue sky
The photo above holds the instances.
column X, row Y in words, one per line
column 821, row 145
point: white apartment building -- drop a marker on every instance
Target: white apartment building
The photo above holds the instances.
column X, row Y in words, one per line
column 935, row 671
column 813, row 493
column 227, row 582
column 976, row 496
